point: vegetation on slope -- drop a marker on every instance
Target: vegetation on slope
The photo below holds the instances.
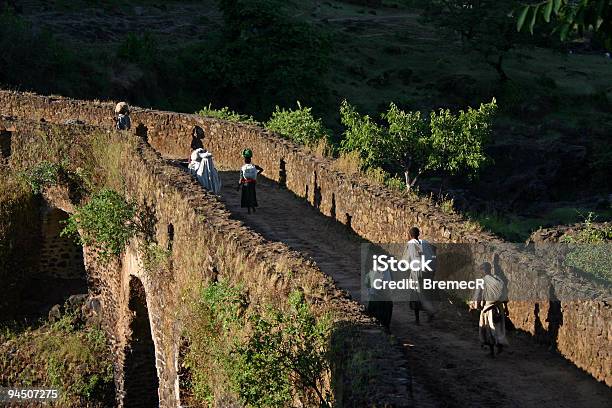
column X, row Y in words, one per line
column 65, row 355
column 591, row 249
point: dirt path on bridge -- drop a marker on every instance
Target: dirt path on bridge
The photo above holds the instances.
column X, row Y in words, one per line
column 449, row 367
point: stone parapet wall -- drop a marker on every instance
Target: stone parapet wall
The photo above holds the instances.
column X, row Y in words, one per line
column 375, row 213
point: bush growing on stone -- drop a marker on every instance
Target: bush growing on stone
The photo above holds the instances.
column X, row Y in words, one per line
column 287, row 353
column 48, row 173
column 106, row 222
column 298, row 125
column 42, row 175
column 226, row 113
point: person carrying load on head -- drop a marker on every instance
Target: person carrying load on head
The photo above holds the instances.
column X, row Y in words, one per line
column 201, row 164
column 248, row 181
column 492, row 301
column 122, row 120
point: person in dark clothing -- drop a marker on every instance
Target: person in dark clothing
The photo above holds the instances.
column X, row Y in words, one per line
column 248, row 181
column 197, row 138
column 379, row 305
column 122, row 120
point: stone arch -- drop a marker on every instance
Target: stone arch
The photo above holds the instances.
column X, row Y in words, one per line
column 141, row 383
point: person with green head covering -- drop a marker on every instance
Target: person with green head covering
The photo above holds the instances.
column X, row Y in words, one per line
column 248, row 181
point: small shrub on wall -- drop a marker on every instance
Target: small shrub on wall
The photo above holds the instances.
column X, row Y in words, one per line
column 41, row 175
column 226, row 113
column 107, row 222
column 298, row 125
column 267, row 357
column 47, row 174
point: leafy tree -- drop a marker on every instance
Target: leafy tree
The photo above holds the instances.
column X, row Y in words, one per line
column 408, row 141
column 364, row 135
column 458, row 141
column 449, row 143
column 572, row 16
column 486, row 26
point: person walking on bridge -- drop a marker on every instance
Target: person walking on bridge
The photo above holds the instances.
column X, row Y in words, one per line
column 492, row 300
column 201, row 164
column 122, row 120
column 248, row 181
column 420, row 299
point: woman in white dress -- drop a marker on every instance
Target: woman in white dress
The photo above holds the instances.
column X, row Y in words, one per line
column 202, row 167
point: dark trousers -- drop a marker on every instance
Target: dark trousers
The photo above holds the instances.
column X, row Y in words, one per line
column 381, row 310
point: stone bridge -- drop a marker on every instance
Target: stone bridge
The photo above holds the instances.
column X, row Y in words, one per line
column 309, row 207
